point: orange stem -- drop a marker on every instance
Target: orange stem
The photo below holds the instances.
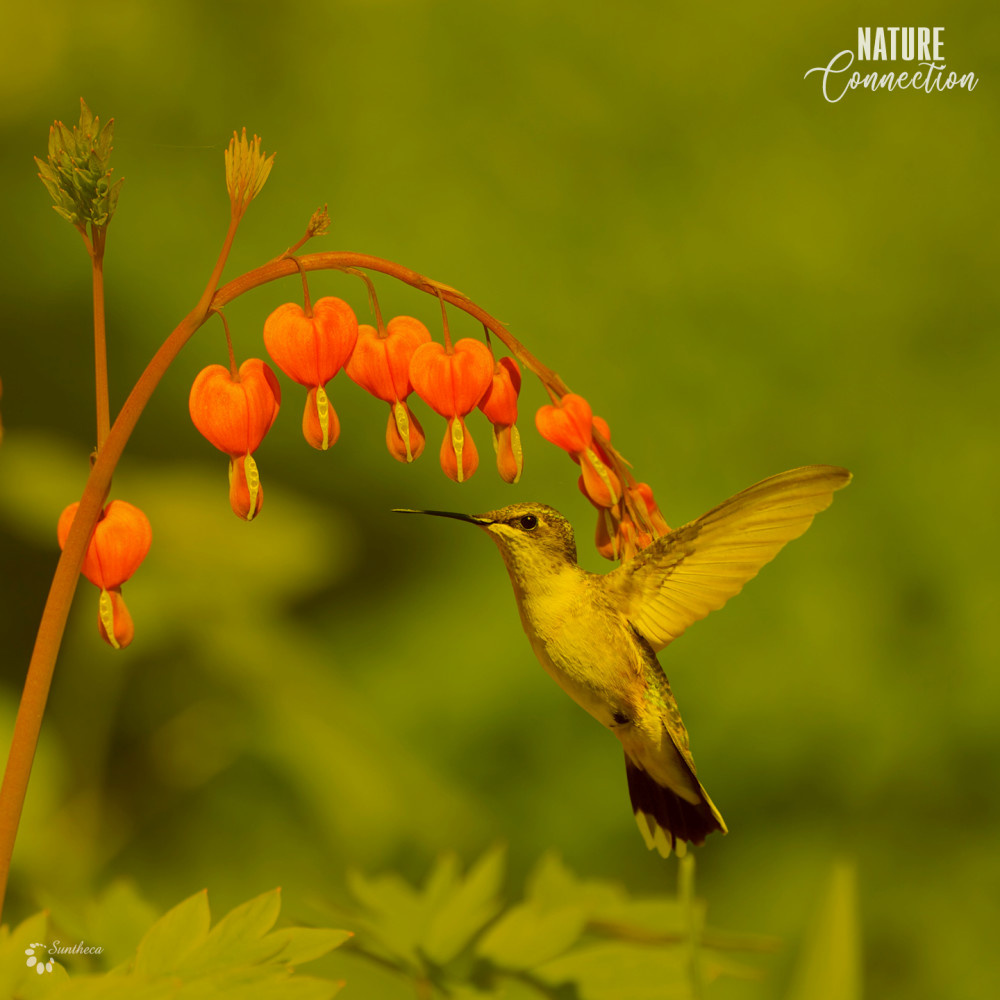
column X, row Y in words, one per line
column 96, row 247
column 28, row 723
column 31, row 709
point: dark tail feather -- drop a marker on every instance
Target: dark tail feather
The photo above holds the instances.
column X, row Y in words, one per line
column 666, row 821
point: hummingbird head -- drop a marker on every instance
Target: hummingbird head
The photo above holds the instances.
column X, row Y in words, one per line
column 533, row 539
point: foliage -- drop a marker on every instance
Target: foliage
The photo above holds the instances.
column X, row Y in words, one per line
column 567, row 936
column 181, row 958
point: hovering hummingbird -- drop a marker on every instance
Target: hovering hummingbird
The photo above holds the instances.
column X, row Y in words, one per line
column 598, row 634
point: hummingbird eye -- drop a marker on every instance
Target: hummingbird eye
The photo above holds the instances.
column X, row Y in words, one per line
column 529, row 522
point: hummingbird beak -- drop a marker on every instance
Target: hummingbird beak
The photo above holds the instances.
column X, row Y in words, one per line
column 444, row 513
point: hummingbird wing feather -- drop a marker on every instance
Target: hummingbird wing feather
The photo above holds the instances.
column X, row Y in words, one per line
column 695, row 569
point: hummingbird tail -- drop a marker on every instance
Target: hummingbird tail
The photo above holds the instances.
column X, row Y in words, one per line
column 666, row 821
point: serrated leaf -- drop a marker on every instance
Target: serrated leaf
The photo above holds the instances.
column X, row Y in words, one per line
column 398, row 914
column 528, row 935
column 617, row 971
column 468, row 908
column 382, row 894
column 442, row 881
column 297, row 945
column 173, row 936
column 235, row 937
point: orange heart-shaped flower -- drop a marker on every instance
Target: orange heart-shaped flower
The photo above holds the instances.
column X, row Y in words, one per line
column 381, row 365
column 235, row 415
column 120, row 542
column 452, row 384
column 311, row 349
column 568, row 425
column 499, row 402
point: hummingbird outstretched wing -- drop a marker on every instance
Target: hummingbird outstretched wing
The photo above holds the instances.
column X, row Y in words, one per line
column 695, row 569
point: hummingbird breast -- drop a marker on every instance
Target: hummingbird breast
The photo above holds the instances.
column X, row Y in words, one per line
column 584, row 645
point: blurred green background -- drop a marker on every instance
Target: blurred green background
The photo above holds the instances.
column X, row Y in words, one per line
column 741, row 278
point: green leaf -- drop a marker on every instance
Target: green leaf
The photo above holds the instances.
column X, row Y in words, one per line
column 258, row 983
column 115, row 921
column 236, row 937
column 528, row 935
column 297, row 945
column 175, row 934
column 397, row 914
column 616, row 971
column 16, row 978
column 830, row 964
column 553, row 885
column 466, row 910
column 111, row 987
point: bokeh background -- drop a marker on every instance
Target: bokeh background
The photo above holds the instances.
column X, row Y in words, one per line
column 740, row 276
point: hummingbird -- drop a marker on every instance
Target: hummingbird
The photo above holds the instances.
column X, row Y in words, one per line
column 598, row 634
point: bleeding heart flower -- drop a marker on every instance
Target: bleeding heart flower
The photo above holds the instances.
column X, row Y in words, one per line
column 311, row 349
column 120, row 542
column 380, row 364
column 452, row 383
column 499, row 404
column 234, row 415
column 570, row 425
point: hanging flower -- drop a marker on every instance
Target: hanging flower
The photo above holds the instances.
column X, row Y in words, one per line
column 234, row 415
column 452, row 383
column 499, row 404
column 620, row 535
column 641, row 495
column 569, row 424
column 120, row 542
column 311, row 348
column 380, row 364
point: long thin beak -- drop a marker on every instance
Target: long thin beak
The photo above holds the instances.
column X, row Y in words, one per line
column 443, row 513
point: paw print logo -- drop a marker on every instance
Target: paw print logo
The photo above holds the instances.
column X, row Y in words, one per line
column 38, row 958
